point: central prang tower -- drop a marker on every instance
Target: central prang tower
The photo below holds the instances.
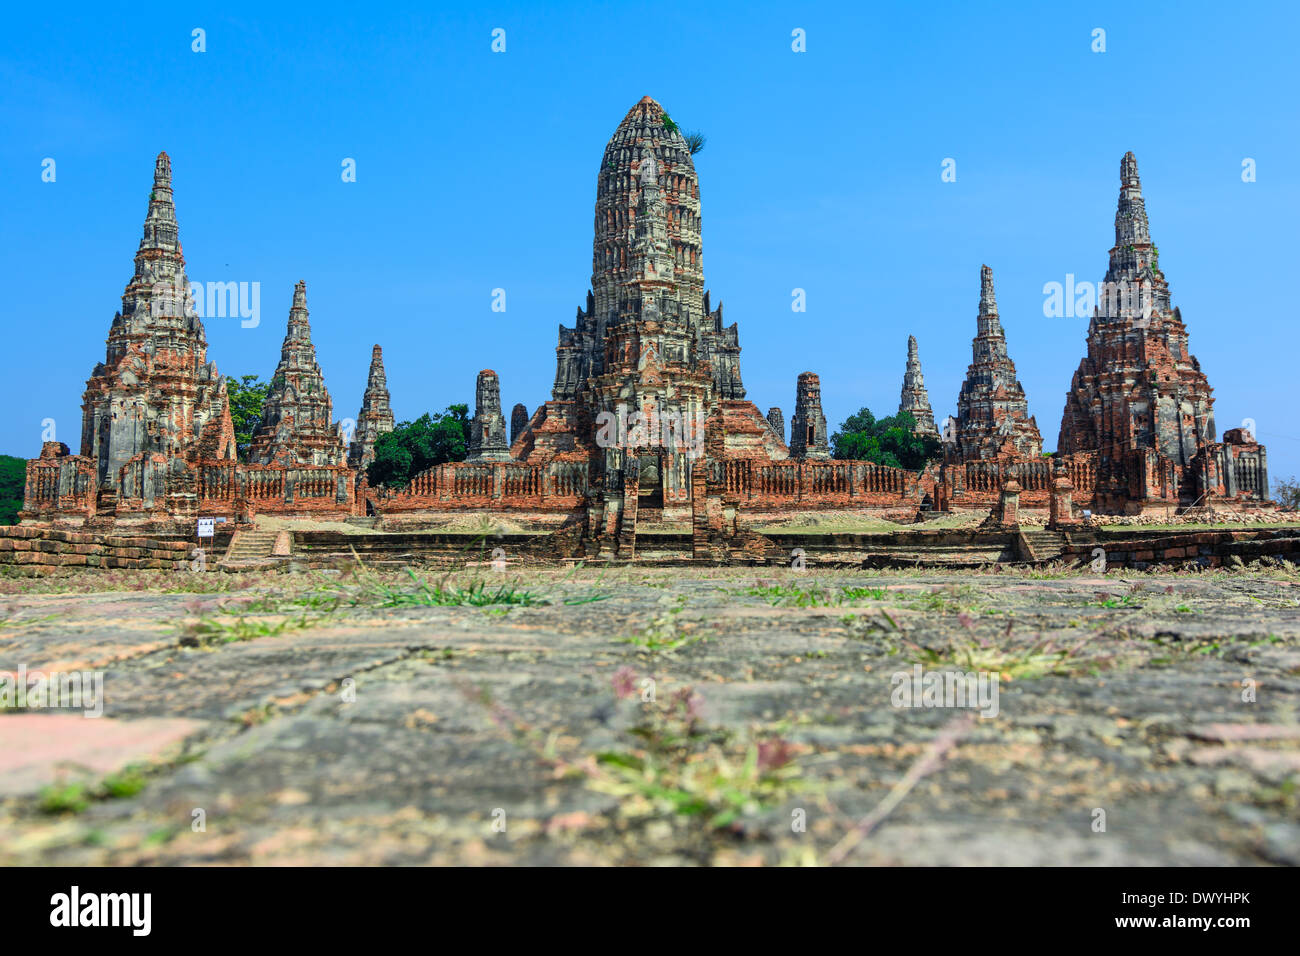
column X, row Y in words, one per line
column 648, row 351
column 634, row 230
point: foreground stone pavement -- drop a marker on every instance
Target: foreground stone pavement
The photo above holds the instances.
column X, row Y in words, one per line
column 642, row 716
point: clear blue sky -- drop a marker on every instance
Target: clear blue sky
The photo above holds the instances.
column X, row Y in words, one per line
column 478, row 170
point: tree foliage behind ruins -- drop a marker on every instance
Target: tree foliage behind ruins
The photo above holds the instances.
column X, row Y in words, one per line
column 13, row 478
column 247, row 394
column 888, row 441
column 412, row 447
column 1286, row 492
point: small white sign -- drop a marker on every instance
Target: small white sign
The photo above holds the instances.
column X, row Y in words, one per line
column 1087, row 513
column 207, row 527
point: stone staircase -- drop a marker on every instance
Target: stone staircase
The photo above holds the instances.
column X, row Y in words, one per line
column 1042, row 545
column 251, row 549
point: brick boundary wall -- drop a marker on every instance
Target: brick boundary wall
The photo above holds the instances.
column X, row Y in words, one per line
column 1205, row 549
column 44, row 549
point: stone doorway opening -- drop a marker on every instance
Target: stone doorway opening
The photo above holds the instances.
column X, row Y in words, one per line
column 650, row 492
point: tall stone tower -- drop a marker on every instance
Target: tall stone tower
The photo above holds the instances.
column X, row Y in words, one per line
column 648, row 378
column 155, row 391
column 644, row 132
column 487, row 430
column 1138, row 387
column 297, row 417
column 993, row 419
column 647, row 239
column 808, row 426
column 375, row 417
column 915, row 399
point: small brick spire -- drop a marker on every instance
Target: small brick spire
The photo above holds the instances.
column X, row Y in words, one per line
column 993, row 417
column 914, row 398
column 808, row 426
column 376, row 415
column 487, row 430
column 297, row 417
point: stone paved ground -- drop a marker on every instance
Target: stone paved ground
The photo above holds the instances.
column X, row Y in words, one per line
column 352, row 719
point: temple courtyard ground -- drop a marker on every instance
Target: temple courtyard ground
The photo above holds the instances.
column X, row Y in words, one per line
column 623, row 715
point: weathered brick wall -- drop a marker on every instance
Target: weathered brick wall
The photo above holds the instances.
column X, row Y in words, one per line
column 59, row 483
column 152, row 484
column 757, row 483
column 44, row 549
column 699, row 509
column 1206, row 549
column 977, row 485
column 227, row 489
column 494, row 485
column 1234, row 470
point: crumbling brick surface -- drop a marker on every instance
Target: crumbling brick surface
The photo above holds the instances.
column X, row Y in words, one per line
column 41, row 550
column 1143, row 550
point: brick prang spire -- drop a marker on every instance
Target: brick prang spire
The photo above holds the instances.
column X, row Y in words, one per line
column 155, row 392
column 993, row 419
column 487, row 429
column 914, row 398
column 376, row 415
column 297, row 417
column 1138, row 387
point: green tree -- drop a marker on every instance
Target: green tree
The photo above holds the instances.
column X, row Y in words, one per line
column 412, row 447
column 247, row 394
column 13, row 479
column 888, row 441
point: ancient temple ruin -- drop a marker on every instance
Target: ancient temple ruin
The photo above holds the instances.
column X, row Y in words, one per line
column 1139, row 400
column 648, row 355
column 155, row 398
column 518, row 420
column 648, row 419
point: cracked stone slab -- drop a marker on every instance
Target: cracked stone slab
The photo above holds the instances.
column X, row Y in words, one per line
column 1144, row 719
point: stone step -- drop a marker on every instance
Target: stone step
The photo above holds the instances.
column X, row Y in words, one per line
column 1046, row 545
column 250, row 548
